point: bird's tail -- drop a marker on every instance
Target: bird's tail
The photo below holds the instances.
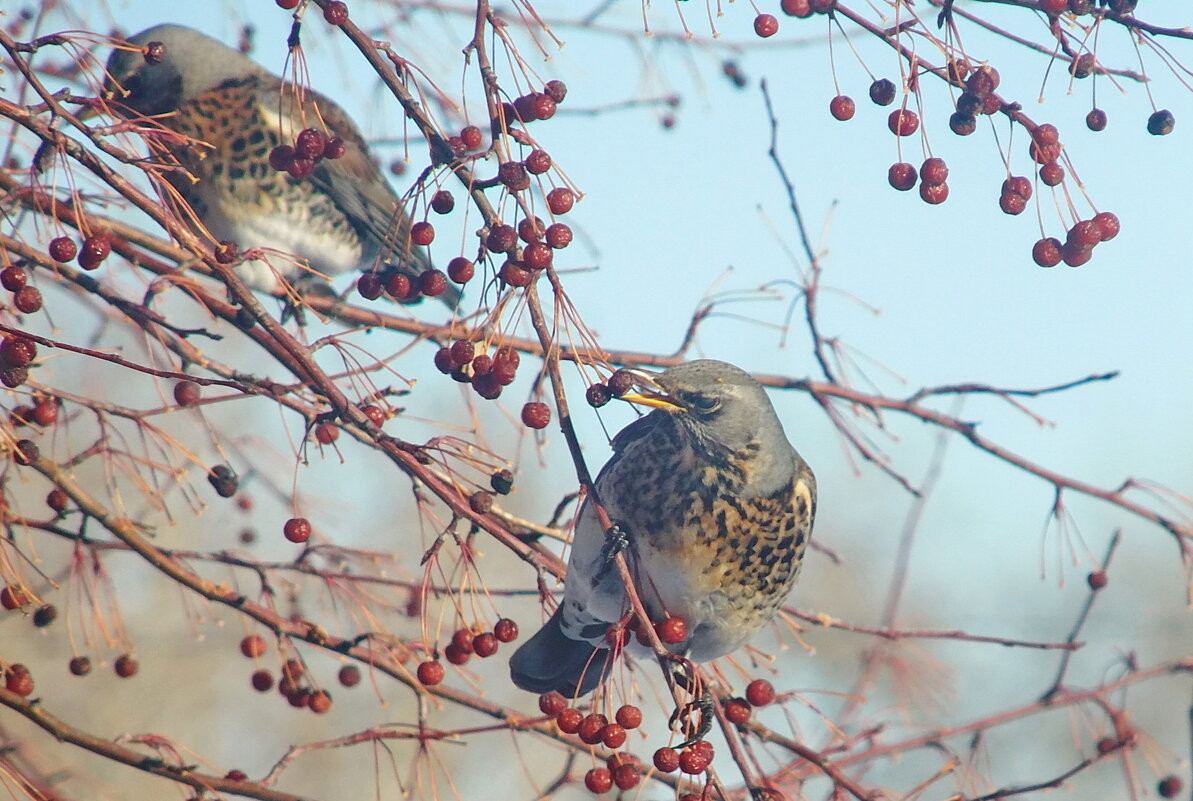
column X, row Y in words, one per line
column 550, row 660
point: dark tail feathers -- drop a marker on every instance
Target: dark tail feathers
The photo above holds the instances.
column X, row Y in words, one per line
column 550, row 660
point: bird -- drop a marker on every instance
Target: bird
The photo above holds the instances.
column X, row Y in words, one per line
column 231, row 114
column 716, row 507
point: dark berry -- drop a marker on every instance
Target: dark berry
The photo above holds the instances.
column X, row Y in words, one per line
column 280, row 157
column 335, row 148
column 598, row 395
column 666, row 760
column 1161, row 123
column 422, row 233
column 27, row 299
column 514, row 175
column 537, row 162
column 882, row 92
column 501, row 238
column 310, row 144
column 62, row 248
column 443, row 202
column 556, row 90
column 13, row 277
column 502, row 481
column 432, row 283
column 369, row 286
column 1095, row 120
column 1097, row 580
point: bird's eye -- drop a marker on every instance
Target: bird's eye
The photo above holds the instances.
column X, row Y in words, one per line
column 704, row 404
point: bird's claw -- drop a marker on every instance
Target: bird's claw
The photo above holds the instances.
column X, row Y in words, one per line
column 617, row 539
column 703, row 705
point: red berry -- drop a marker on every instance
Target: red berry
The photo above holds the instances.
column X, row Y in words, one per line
column 310, row 143
column 531, row 229
column 27, row 299
column 902, row 176
column 431, row 673
column 556, row 90
column 319, row 702
column 1012, row 203
column 591, row 728
column 796, row 8
column 1085, row 233
column 1046, row 252
column 666, row 760
column 560, row 200
column 375, row 414
column 1107, row 745
column 559, row 235
column 335, row 12
column 1097, row 580
column 613, row 735
column 300, row 167
column 934, row 195
column 455, row 655
column 45, row 413
column 13, row 277
column 1044, row 154
column 463, row 639
column 1052, row 173
column 126, row 667
column 287, row 5
column 326, row 433
column 903, row 122
column 471, row 137
column 399, row 286
column 1019, row 185
column 460, row 270
column 280, row 157
column 629, row 716
column 760, row 692
column 1053, row 7
column 536, row 415
column 443, row 361
column 13, row 597
column 1074, row 254
column 18, row 680
column 934, row 171
column 62, row 248
column 252, row 646
column 626, row 777
column 80, row 666
column 537, row 256
column 692, row 761
column 552, row 703
column 1108, row 223
column 57, row 500
column 16, row 351
column 349, row 675
column 297, row 529
column 822, row 6
column 505, row 630
column 842, row 107
column 598, row 780
column 766, row 25
column 569, row 720
column 335, row 148
column 673, row 630
column 538, row 162
column 982, row 81
column 422, row 233
column 432, row 283
column 369, row 286
column 462, row 352
column 501, row 238
column 737, row 710
column 442, row 202
column 186, row 393
column 485, row 645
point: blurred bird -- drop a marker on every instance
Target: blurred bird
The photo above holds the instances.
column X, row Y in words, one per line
column 717, row 507
column 342, row 216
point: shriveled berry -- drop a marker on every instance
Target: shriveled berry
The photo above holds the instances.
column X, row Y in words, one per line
column 1045, row 134
column 666, row 760
column 17, row 351
column 336, row 12
column 628, row 716
column 737, row 710
column 505, row 630
column 460, row 270
column 673, row 630
column 480, row 502
column 431, row 673
column 902, row 176
column 903, row 122
column 536, row 415
column 502, row 481
column 760, row 692
column 514, row 175
column 297, row 529
column 80, row 666
column 45, row 615
column 598, row 395
column 766, row 25
column 252, row 646
column 962, row 124
column 982, row 81
column 1169, row 787
column 1097, row 580
column 1095, row 120
column 1046, row 252
column 882, row 92
column 280, row 157
column 1084, row 65
column 598, row 780
column 26, row 452
column 842, row 107
column 524, row 109
column 501, row 238
column 1161, row 123
column 556, row 90
column 62, row 248
column 471, row 137
column 560, row 200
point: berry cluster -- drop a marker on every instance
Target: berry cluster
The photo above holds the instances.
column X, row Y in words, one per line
column 488, row 375
column 465, row 643
column 310, row 147
column 16, row 354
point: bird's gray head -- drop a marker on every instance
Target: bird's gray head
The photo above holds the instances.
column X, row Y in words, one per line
column 193, row 63
column 719, row 404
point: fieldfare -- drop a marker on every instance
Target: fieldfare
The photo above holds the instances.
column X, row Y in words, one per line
column 717, row 508
column 231, row 115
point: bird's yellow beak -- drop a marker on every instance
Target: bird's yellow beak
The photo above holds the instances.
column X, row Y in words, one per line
column 652, row 395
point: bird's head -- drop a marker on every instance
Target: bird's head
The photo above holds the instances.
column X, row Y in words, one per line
column 713, row 401
column 190, row 64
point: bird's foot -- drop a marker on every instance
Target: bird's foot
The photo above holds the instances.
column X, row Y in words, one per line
column 683, row 675
column 617, row 539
